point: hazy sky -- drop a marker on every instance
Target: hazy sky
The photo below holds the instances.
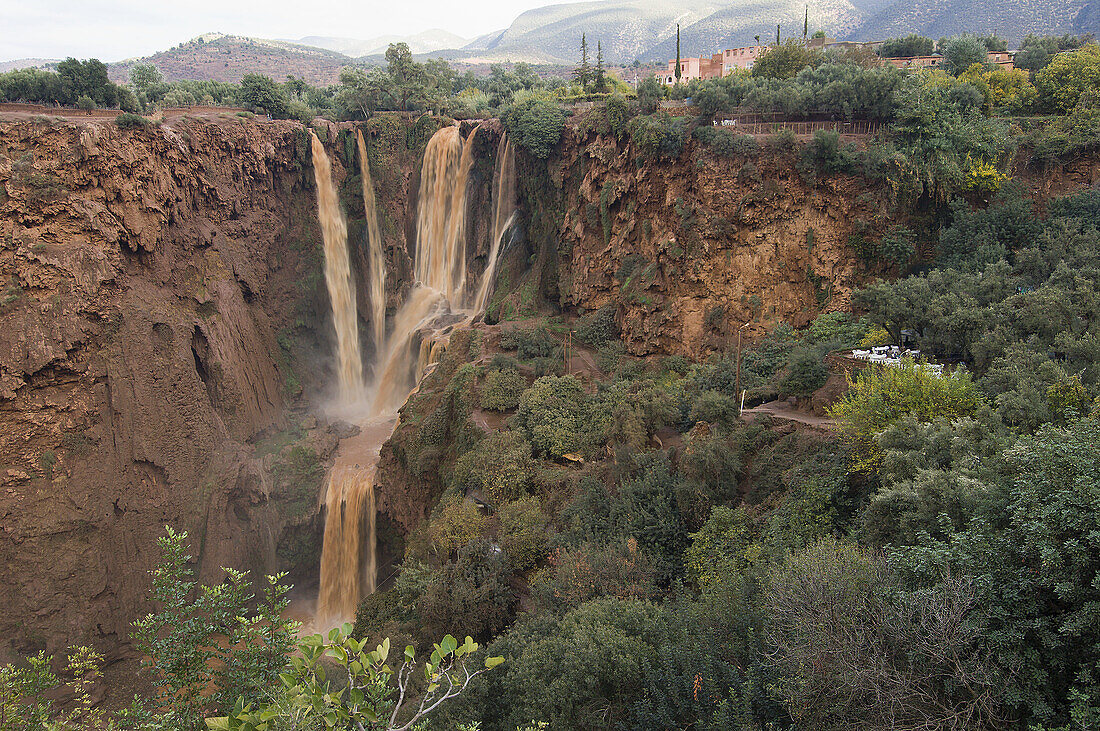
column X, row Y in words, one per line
column 112, row 30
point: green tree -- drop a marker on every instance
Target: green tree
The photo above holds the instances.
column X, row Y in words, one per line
column 784, row 61
column 960, row 51
column 583, row 73
column 535, row 123
column 361, row 92
column 261, row 93
column 650, row 93
column 599, row 80
column 845, row 646
column 880, row 395
column 205, row 637
column 147, row 80
column 1062, row 82
column 86, row 78
column 409, row 79
column 678, row 72
column 910, row 45
column 1034, row 553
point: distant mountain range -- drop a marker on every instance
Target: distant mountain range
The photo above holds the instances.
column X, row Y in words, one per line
column 426, row 42
column 27, row 63
column 625, row 30
column 646, row 29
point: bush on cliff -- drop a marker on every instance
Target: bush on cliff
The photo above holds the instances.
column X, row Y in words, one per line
column 502, row 390
column 535, row 123
column 131, row 121
column 658, row 135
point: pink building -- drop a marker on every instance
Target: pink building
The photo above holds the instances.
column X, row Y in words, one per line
column 741, row 58
column 704, row 67
column 710, row 67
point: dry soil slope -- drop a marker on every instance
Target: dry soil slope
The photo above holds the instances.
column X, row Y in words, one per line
column 228, row 58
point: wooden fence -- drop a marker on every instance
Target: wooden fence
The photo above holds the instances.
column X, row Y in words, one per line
column 855, row 127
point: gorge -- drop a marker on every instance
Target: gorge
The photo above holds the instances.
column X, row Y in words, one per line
column 172, row 323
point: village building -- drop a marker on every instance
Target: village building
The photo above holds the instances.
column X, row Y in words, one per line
column 734, row 59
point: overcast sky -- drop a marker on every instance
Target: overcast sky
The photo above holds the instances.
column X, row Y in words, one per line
column 112, row 30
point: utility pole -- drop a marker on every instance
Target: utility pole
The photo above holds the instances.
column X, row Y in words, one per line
column 737, row 377
column 806, row 24
column 777, row 34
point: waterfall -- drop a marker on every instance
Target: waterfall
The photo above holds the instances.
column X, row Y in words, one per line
column 438, row 297
column 341, row 289
column 441, row 214
column 504, row 211
column 344, row 576
column 374, row 243
column 440, row 264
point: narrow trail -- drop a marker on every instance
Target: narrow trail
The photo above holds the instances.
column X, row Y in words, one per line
column 783, row 410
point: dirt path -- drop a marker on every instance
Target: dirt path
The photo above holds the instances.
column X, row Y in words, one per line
column 783, row 410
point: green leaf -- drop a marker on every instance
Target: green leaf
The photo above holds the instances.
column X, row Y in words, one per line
column 219, row 723
column 492, row 662
column 410, row 653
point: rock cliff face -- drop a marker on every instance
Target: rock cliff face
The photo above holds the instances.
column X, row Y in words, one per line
column 691, row 249
column 145, row 275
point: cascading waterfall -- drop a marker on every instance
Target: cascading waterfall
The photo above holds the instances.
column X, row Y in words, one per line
column 440, row 264
column 374, row 245
column 347, row 488
column 504, row 211
column 343, row 579
column 439, row 290
column 341, row 290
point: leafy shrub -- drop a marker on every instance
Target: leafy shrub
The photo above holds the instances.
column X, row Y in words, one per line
column 784, row 140
column 206, row 637
column 898, row 246
column 806, row 373
column 881, row 395
column 502, row 390
column 455, row 522
column 529, row 343
column 826, row 153
column 658, row 135
column 553, row 415
column 536, row 124
column 471, row 592
column 500, row 467
column 592, row 570
column 127, row 120
column 599, row 328
column 713, row 407
column 523, row 536
column 726, row 142
column 1069, row 75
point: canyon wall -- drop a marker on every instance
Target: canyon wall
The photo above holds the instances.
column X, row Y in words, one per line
column 145, row 276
